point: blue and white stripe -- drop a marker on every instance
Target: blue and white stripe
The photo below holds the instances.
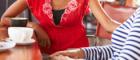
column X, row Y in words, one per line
column 125, row 42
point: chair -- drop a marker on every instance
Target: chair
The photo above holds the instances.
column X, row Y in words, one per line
column 118, row 13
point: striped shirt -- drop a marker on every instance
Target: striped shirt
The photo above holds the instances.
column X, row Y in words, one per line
column 125, row 42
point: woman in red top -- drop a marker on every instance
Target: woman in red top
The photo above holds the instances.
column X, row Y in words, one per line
column 61, row 20
column 69, row 32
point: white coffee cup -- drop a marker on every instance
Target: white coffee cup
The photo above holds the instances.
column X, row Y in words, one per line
column 20, row 34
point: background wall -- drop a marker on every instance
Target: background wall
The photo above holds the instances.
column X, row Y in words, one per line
column 4, row 4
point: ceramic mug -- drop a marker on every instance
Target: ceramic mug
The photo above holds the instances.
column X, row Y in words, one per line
column 20, row 34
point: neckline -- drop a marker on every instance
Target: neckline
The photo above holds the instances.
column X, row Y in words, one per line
column 47, row 9
column 60, row 5
column 57, row 14
column 58, row 10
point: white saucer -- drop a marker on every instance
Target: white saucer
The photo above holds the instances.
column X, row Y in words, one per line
column 7, row 44
column 26, row 42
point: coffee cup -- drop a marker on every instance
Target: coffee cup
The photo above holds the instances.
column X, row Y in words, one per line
column 18, row 22
column 20, row 34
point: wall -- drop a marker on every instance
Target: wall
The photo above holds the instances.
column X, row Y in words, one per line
column 4, row 4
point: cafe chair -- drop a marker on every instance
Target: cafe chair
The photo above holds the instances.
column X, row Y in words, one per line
column 116, row 12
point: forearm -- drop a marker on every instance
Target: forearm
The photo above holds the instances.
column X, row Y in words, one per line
column 42, row 36
column 72, row 53
column 81, row 54
column 15, row 9
column 98, row 53
column 106, row 21
column 76, row 53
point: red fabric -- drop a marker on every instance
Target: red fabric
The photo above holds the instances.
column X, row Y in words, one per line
column 70, row 33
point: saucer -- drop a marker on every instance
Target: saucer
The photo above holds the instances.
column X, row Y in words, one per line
column 26, row 42
column 7, row 44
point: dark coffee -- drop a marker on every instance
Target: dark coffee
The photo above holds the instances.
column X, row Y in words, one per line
column 19, row 22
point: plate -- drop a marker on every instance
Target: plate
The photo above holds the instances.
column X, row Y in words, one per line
column 7, row 44
column 26, row 42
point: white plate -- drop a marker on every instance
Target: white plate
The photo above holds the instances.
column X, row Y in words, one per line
column 26, row 42
column 5, row 45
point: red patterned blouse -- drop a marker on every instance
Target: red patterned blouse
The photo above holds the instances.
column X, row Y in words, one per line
column 70, row 32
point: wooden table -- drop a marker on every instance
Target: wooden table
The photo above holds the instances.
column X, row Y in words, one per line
column 30, row 52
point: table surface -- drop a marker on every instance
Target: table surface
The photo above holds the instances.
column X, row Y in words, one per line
column 26, row 52
column 29, row 52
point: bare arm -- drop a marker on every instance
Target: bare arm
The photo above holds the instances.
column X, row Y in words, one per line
column 16, row 8
column 107, row 22
column 42, row 36
column 74, row 53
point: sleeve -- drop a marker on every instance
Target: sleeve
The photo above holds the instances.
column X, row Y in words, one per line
column 34, row 4
column 98, row 53
column 87, row 11
column 131, row 47
column 29, row 3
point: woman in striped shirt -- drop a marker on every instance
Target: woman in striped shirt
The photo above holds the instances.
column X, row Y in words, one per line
column 125, row 40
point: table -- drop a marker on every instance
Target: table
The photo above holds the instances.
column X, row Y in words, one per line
column 30, row 52
column 26, row 52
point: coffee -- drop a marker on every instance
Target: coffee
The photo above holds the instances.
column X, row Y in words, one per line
column 19, row 22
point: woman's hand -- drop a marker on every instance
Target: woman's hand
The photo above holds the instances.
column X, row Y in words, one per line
column 75, row 54
column 61, row 57
column 3, row 33
column 32, row 25
column 43, row 39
